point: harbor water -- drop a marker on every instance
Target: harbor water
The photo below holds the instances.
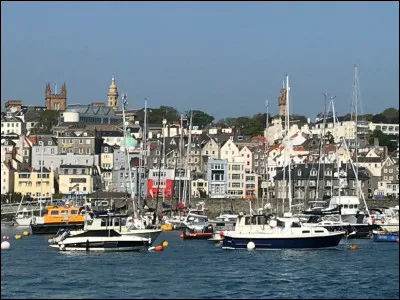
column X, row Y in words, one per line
column 198, row 269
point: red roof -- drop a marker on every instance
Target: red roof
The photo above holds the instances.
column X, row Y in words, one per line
column 32, row 138
column 298, row 148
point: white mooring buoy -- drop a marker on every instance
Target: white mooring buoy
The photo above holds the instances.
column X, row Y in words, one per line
column 5, row 245
column 251, row 245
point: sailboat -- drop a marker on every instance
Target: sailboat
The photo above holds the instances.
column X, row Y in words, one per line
column 135, row 224
column 271, row 232
column 343, row 212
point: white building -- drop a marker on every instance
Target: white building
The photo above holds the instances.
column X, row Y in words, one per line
column 248, row 158
column 11, row 124
column 199, row 188
column 7, row 178
column 236, row 178
column 229, row 150
column 217, row 178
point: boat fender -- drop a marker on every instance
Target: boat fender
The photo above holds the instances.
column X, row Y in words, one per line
column 87, row 245
column 382, row 220
column 352, row 247
column 158, row 248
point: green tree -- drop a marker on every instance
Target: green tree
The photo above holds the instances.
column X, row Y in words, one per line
column 156, row 115
column 200, row 118
column 379, row 118
column 391, row 114
column 384, row 140
column 47, row 120
column 329, row 138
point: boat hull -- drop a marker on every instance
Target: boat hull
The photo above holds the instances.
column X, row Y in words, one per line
column 150, row 234
column 353, row 231
column 101, row 245
column 197, row 235
column 23, row 221
column 386, row 237
column 55, row 227
column 390, row 227
column 240, row 242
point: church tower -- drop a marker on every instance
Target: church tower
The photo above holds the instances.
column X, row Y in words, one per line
column 55, row 101
column 282, row 102
column 113, row 95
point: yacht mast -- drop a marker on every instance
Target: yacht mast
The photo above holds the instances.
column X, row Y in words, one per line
column 355, row 95
column 267, row 146
column 41, row 175
column 189, row 155
column 288, row 142
column 124, row 105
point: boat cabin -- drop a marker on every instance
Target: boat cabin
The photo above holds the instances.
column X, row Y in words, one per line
column 60, row 214
column 348, row 204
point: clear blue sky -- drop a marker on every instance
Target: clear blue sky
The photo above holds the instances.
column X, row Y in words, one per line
column 225, row 58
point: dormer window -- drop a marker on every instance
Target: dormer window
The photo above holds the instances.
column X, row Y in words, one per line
column 328, row 172
column 105, row 149
column 50, row 143
column 40, row 143
column 313, row 172
column 298, row 172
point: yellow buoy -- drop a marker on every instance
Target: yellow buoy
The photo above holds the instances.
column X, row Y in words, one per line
column 164, row 243
column 18, row 236
column 25, row 233
column 166, row 227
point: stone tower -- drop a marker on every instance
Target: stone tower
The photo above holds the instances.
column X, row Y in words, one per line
column 282, row 102
column 113, row 95
column 55, row 101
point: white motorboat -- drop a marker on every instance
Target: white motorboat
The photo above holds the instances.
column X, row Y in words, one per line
column 123, row 225
column 270, row 232
column 387, row 218
column 105, row 233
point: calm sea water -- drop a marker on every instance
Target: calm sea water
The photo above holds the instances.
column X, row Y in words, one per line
column 198, row 269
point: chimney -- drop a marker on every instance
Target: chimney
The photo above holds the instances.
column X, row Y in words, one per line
column 376, row 142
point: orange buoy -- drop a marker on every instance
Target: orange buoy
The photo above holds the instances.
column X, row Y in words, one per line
column 352, row 247
column 181, row 236
column 158, row 248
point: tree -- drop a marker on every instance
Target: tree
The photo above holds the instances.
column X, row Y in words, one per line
column 156, row 115
column 379, row 118
column 384, row 140
column 47, row 120
column 391, row 114
column 200, row 118
column 329, row 138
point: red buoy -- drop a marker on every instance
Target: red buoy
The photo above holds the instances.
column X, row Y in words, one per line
column 221, row 234
column 181, row 236
column 158, row 248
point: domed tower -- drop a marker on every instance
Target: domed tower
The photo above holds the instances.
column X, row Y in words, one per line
column 113, row 95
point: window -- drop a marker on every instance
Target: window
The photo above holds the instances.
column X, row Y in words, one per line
column 80, row 141
column 54, row 213
column 105, row 149
column 236, row 176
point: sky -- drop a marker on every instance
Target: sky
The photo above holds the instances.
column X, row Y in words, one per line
column 225, row 58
